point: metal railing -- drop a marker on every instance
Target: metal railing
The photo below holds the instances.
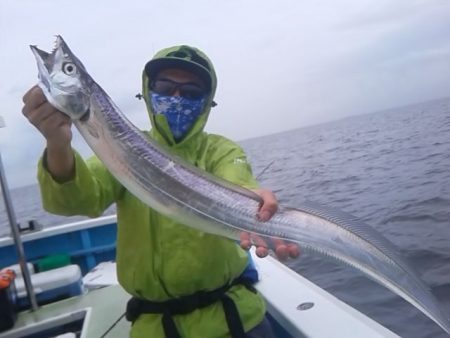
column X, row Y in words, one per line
column 16, row 233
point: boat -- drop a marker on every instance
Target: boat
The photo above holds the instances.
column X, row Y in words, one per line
column 296, row 306
column 64, row 285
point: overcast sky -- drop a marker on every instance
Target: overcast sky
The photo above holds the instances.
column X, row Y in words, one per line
column 281, row 64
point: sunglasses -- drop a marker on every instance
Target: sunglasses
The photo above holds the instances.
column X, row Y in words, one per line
column 187, row 90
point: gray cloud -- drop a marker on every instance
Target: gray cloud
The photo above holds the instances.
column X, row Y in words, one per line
column 281, row 65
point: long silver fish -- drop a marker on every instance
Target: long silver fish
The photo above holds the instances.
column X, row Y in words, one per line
column 193, row 197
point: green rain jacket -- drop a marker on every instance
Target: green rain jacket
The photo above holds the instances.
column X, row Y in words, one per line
column 157, row 258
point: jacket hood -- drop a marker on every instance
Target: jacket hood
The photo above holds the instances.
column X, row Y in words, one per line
column 187, row 58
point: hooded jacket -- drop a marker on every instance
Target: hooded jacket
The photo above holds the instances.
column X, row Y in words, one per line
column 157, row 258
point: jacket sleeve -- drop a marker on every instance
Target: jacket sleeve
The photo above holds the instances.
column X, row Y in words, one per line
column 89, row 193
column 229, row 161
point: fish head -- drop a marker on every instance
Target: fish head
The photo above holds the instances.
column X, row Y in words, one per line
column 63, row 79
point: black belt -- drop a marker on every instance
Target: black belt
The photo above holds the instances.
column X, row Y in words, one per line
column 186, row 304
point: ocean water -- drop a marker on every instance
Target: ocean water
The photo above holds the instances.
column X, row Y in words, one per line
column 390, row 169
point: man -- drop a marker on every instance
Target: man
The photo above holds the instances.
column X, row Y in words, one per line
column 185, row 283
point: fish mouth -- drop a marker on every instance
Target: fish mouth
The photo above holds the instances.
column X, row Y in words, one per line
column 42, row 56
column 46, row 59
column 64, row 91
column 45, row 62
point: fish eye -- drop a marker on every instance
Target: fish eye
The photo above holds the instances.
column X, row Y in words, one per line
column 69, row 68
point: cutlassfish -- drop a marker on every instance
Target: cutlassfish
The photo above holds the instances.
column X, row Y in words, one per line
column 200, row 200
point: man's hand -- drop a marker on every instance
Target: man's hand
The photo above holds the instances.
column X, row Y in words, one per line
column 56, row 128
column 53, row 125
column 267, row 209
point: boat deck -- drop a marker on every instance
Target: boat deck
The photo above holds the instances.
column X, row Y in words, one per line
column 102, row 309
column 299, row 309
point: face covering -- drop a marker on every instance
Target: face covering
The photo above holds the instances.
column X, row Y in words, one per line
column 181, row 113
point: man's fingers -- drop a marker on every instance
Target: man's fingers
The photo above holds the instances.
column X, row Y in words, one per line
column 258, row 241
column 245, row 240
column 294, row 250
column 269, row 204
column 282, row 249
column 26, row 97
column 35, row 96
column 248, row 239
column 261, row 246
column 261, row 252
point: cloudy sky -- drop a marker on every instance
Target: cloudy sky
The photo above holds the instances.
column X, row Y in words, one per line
column 281, row 64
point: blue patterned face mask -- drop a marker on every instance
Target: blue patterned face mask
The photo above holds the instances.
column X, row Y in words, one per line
column 180, row 112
